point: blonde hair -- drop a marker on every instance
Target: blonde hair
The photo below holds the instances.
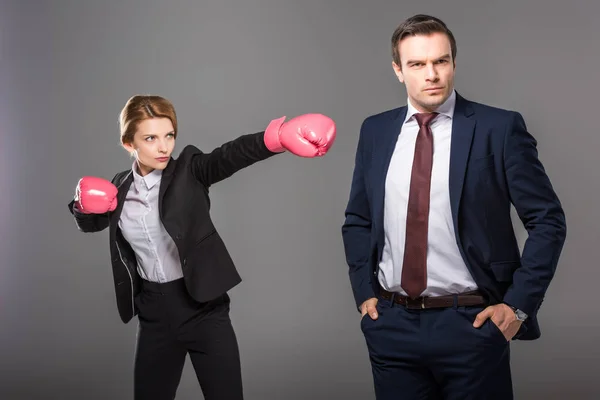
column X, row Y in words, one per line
column 142, row 107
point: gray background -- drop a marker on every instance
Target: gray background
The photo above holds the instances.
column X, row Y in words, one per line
column 67, row 68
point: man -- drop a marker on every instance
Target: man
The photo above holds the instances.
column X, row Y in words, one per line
column 433, row 260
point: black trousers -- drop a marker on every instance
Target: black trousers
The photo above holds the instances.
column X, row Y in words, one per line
column 173, row 325
column 434, row 354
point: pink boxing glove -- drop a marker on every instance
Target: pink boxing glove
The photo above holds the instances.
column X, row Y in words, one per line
column 308, row 135
column 95, row 195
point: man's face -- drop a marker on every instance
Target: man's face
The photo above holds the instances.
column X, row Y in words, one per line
column 427, row 70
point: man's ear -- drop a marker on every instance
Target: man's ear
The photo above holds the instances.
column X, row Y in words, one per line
column 398, row 71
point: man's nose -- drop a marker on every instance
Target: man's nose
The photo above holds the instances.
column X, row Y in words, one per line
column 432, row 73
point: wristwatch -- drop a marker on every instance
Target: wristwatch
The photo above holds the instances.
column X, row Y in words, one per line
column 521, row 316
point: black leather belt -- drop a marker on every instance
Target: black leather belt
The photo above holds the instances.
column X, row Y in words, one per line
column 474, row 298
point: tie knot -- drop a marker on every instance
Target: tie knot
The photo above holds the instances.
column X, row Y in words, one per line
column 424, row 119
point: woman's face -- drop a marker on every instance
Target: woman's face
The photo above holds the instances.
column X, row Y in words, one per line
column 153, row 144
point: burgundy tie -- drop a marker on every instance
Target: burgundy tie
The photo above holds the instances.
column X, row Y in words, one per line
column 414, row 266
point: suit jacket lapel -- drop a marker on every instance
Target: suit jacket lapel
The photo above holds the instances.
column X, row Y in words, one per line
column 123, row 188
column 165, row 181
column 389, row 137
column 463, row 128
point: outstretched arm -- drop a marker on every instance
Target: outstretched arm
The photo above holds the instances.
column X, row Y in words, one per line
column 227, row 159
column 309, row 135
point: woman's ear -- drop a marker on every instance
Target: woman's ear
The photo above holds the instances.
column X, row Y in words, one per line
column 130, row 149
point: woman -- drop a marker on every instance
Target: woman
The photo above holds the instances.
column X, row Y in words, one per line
column 170, row 266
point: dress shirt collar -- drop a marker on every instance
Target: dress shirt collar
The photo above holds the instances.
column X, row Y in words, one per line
column 446, row 108
column 149, row 180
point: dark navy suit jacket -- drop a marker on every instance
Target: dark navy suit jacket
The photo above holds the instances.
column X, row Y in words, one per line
column 493, row 164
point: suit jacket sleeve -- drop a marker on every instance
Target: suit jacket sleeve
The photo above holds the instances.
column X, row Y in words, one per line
column 356, row 230
column 224, row 161
column 542, row 215
column 88, row 222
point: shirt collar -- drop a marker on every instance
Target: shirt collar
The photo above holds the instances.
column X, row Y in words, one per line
column 446, row 108
column 149, row 180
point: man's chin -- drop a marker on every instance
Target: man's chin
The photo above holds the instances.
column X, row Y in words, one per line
column 435, row 100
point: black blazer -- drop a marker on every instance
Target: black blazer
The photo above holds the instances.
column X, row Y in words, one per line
column 184, row 207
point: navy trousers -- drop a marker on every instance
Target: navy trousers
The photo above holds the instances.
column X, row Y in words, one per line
column 436, row 354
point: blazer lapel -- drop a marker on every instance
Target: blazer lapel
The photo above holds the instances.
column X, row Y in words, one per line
column 463, row 128
column 389, row 137
column 123, row 188
column 165, row 181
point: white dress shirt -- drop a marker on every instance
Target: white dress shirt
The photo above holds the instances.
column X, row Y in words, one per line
column 446, row 270
column 155, row 251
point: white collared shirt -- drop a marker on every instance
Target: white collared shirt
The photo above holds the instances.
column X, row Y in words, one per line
column 446, row 270
column 155, row 251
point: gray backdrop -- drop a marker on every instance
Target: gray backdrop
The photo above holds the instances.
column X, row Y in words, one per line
column 67, row 68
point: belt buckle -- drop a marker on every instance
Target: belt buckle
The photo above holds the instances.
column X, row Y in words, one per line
column 416, row 304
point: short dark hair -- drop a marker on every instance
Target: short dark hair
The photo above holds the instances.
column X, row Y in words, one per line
column 420, row 24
